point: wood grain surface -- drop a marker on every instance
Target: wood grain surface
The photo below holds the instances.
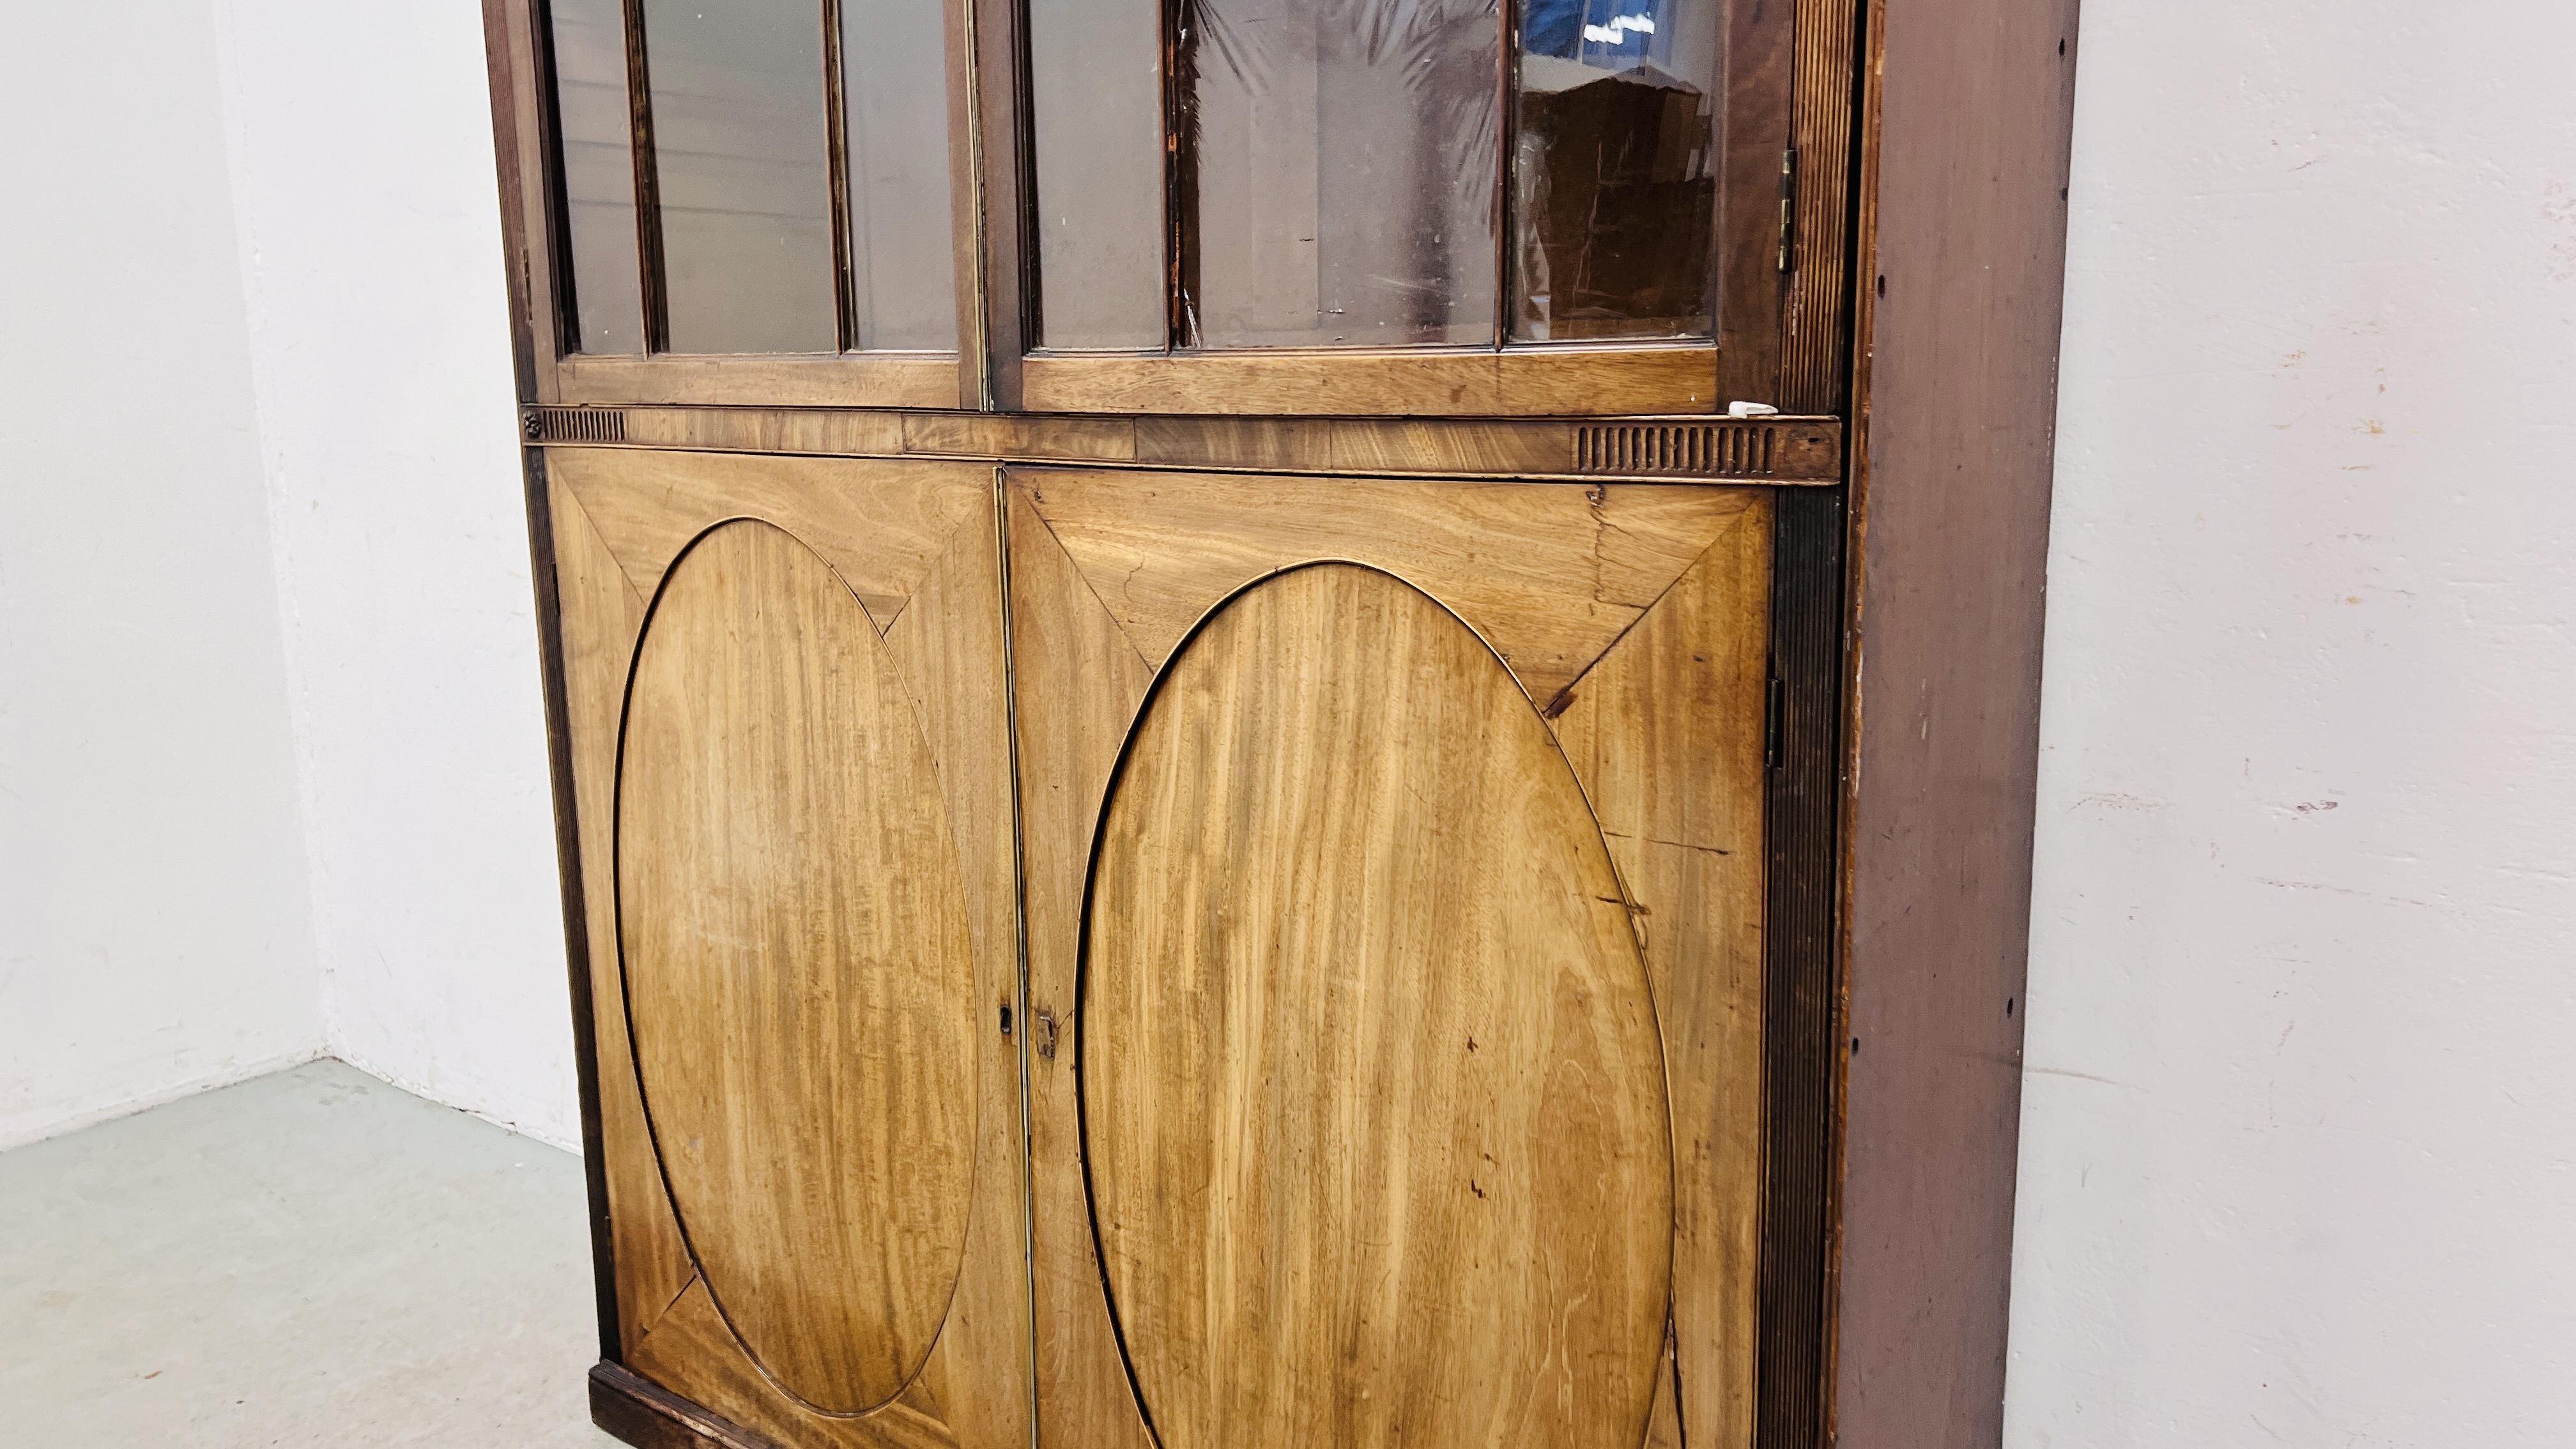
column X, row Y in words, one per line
column 1551, row 575
column 1663, row 724
column 945, row 645
column 601, row 615
column 1526, row 382
column 1753, row 142
column 1786, row 450
column 648, row 1416
column 1374, row 1102
column 854, row 379
column 1666, row 732
column 878, row 526
column 1815, row 320
column 798, row 965
column 1078, row 681
column 693, row 1346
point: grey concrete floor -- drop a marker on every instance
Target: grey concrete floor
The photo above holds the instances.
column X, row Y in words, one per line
column 312, row 1258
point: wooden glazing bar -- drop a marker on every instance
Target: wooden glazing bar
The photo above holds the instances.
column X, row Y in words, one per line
column 648, row 190
column 1506, row 156
column 847, row 326
column 1566, row 381
column 987, row 156
column 988, row 117
column 1181, row 27
column 860, row 379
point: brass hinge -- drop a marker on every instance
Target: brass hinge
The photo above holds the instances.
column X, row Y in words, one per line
column 1788, row 201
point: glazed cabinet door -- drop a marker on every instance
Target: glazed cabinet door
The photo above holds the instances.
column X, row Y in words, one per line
column 1417, row 207
column 784, row 698
column 1394, row 906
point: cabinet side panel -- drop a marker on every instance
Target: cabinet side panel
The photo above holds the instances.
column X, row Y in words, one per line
column 1965, row 221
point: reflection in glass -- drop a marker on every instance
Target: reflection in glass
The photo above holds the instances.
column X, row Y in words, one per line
column 598, row 174
column 1096, row 106
column 1339, row 168
column 903, row 261
column 741, row 162
column 1613, row 186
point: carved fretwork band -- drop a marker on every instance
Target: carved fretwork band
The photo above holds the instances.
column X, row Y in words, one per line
column 1799, row 451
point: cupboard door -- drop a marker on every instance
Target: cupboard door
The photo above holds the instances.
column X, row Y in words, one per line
column 784, row 680
column 1393, row 891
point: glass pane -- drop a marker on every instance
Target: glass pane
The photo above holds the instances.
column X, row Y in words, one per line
column 1613, row 186
column 1096, row 103
column 1343, row 155
column 599, row 174
column 741, row 156
column 903, row 260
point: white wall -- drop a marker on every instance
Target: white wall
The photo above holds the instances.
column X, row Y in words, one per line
column 2299, row 1151
column 155, row 932
column 371, row 256
column 272, row 756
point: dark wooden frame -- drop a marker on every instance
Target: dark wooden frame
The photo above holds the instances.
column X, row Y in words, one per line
column 1801, row 999
column 1930, row 143
column 1966, row 124
column 646, row 1415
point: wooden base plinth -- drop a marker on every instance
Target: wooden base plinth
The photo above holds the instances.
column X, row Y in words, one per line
column 649, row 1416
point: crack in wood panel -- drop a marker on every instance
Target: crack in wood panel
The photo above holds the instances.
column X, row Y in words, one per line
column 1665, row 731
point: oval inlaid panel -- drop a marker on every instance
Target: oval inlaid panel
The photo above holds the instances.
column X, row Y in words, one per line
column 798, row 967
column 1374, row 1105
